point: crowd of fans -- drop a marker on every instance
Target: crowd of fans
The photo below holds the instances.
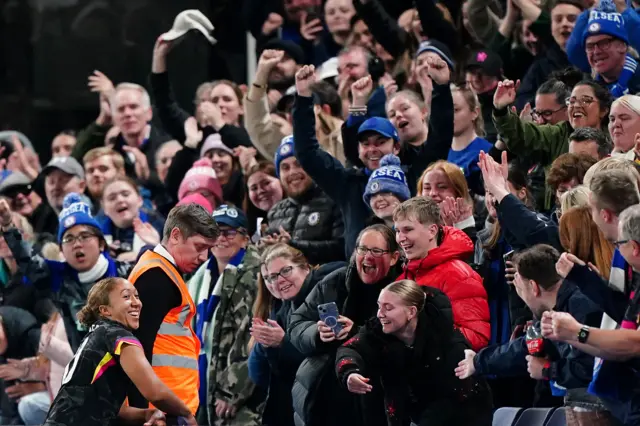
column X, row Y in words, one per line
column 457, row 182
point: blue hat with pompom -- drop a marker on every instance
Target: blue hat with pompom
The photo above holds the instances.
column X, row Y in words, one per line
column 284, row 151
column 75, row 211
column 604, row 19
column 388, row 178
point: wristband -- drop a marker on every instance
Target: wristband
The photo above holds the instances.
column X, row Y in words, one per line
column 258, row 86
column 358, row 111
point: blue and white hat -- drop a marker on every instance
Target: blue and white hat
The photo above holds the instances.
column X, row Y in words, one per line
column 605, row 20
column 388, row 178
column 75, row 211
column 230, row 216
column 285, row 150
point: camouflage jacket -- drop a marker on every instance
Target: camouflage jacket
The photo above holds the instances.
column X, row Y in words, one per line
column 228, row 370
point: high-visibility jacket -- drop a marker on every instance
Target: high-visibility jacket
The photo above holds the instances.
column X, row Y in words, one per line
column 176, row 348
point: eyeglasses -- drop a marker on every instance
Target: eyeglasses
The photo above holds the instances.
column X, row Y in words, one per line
column 81, row 238
column 545, row 113
column 284, row 273
column 376, row 252
column 603, row 44
column 231, row 233
column 585, row 102
column 621, row 242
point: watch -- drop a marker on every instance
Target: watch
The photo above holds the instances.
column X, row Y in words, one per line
column 583, row 334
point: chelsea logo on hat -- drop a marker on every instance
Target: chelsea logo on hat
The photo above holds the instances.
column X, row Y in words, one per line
column 375, row 186
column 69, row 222
column 314, row 218
column 594, row 27
column 285, row 149
column 193, row 185
column 232, row 213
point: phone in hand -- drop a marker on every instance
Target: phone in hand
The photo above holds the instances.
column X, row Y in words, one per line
column 329, row 315
column 507, row 257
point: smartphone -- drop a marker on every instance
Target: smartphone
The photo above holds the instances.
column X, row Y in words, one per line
column 329, row 315
column 313, row 13
column 508, row 256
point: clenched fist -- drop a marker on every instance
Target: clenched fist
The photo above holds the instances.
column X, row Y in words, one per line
column 305, row 77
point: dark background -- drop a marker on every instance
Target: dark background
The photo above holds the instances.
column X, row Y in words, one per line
column 48, row 48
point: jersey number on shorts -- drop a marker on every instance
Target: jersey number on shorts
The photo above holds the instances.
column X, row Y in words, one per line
column 71, row 367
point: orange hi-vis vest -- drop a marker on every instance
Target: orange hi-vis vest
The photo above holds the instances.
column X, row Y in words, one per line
column 176, row 349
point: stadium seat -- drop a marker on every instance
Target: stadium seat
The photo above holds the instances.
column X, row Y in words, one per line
column 534, row 417
column 558, row 418
column 506, row 416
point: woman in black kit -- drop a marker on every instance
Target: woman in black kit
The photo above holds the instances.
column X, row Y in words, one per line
column 95, row 382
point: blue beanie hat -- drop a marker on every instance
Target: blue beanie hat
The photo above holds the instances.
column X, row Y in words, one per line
column 390, row 178
column 75, row 211
column 285, row 150
column 605, row 20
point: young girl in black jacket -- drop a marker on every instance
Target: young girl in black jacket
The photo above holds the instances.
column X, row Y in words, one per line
column 413, row 346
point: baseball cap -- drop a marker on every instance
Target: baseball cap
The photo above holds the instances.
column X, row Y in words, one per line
column 487, row 60
column 190, row 20
column 230, row 216
column 69, row 165
column 378, row 125
column 15, row 182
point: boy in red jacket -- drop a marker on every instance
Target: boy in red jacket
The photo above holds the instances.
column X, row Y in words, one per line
column 436, row 257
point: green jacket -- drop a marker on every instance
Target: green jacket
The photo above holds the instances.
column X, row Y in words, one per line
column 539, row 143
column 228, row 370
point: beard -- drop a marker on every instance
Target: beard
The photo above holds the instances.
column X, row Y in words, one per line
column 280, row 82
column 298, row 191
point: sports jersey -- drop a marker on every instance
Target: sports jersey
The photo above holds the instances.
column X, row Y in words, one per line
column 94, row 385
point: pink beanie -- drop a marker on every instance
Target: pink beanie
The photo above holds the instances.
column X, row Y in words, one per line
column 198, row 199
column 200, row 176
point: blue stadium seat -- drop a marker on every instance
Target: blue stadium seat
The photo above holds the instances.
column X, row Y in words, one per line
column 506, row 416
column 534, row 417
column 558, row 418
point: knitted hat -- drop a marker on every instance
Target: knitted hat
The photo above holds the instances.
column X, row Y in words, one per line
column 214, row 141
column 75, row 211
column 605, row 22
column 230, row 216
column 198, row 199
column 201, row 176
column 285, row 150
column 389, row 178
column 436, row 47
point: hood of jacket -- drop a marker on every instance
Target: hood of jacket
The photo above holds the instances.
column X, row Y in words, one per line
column 22, row 332
column 455, row 245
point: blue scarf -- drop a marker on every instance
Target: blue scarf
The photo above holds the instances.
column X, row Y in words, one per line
column 621, row 87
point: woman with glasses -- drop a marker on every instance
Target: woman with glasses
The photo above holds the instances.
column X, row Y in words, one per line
column 224, row 289
column 87, row 260
column 587, row 106
column 354, row 289
column 286, row 280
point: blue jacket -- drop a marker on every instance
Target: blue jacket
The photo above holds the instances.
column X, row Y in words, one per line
column 274, row 369
column 570, row 368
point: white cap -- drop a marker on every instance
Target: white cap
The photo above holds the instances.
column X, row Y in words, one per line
column 328, row 69
column 190, row 20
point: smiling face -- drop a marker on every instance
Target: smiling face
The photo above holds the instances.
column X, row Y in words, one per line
column 295, row 181
column 121, row 203
column 337, row 15
column 222, row 163
column 98, row 172
column 373, row 268
column 383, row 203
column 549, row 111
column 584, row 108
column 408, row 119
column 264, row 190
column 415, row 238
column 624, row 124
column 229, row 243
column 290, row 278
column 393, row 312
column 606, row 55
column 372, row 147
column 226, row 98
column 563, row 19
column 124, row 305
column 81, row 247
column 437, row 186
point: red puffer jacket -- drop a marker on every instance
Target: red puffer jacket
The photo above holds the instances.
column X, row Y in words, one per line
column 445, row 269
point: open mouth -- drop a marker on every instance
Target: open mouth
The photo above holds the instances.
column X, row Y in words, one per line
column 577, row 115
column 286, row 288
column 295, row 180
column 80, row 256
column 135, row 314
column 402, row 124
column 384, row 322
column 406, row 247
column 122, row 209
column 566, row 33
column 368, row 269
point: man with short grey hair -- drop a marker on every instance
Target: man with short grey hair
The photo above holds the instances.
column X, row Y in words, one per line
column 629, row 236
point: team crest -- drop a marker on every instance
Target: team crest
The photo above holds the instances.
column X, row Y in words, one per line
column 232, row 213
column 285, row 149
column 375, row 186
column 193, row 185
column 69, row 222
column 594, row 27
column 314, row 218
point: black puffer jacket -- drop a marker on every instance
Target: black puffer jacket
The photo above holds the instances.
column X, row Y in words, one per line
column 419, row 381
column 316, row 387
column 315, row 224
